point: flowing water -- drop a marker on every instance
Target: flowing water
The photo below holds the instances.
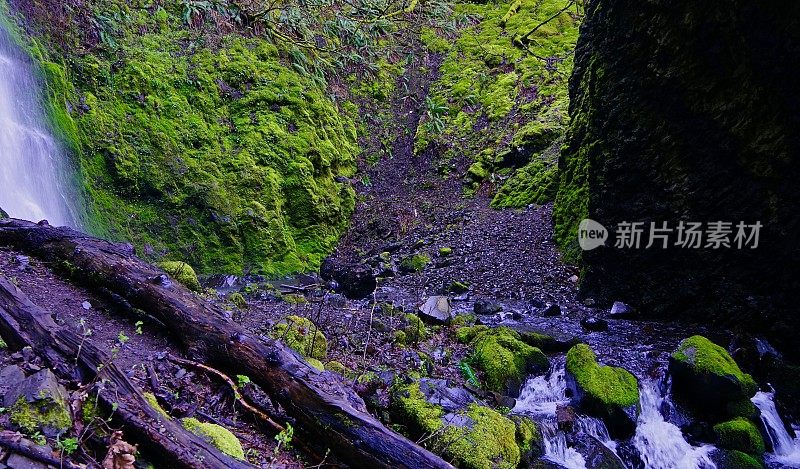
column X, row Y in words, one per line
column 660, row 443
column 786, row 450
column 33, row 176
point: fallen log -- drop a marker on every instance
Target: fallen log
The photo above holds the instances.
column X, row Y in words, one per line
column 323, row 406
column 22, row 323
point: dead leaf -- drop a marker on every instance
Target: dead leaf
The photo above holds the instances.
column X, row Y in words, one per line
column 120, row 454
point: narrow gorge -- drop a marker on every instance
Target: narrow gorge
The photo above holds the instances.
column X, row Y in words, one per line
column 553, row 234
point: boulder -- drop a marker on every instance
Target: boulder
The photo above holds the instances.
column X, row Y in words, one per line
column 486, row 308
column 437, row 310
column 10, row 377
column 354, row 280
column 595, row 453
column 606, row 392
column 566, row 418
column 620, row 310
column 707, row 379
column 552, row 310
column 450, row 398
column 505, row 359
column 740, row 434
column 594, row 324
column 39, row 403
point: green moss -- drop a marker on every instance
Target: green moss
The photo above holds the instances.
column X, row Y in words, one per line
column 504, row 359
column 607, row 384
column 445, row 251
column 536, row 183
column 36, row 416
column 740, row 460
column 315, row 363
column 338, row 367
column 415, row 331
column 217, row 435
column 707, row 357
column 740, row 434
column 415, row 263
column 463, row 320
column 182, row 272
column 529, row 436
column 295, row 299
column 303, row 336
column 238, row 300
column 414, row 412
column 488, row 444
column 466, row 334
column 151, row 399
column 399, row 338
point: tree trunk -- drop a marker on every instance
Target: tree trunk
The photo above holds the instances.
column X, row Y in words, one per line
column 23, row 323
column 322, row 404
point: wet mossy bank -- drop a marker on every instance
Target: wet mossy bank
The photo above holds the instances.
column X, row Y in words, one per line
column 208, row 148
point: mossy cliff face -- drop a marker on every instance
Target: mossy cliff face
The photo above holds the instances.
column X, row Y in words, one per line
column 680, row 111
column 207, row 147
column 501, row 98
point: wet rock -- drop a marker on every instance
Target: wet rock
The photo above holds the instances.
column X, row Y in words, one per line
column 558, row 342
column 566, row 418
column 620, row 310
column 354, row 280
column 39, row 403
column 596, row 454
column 436, row 309
column 707, row 379
column 450, row 398
column 18, row 461
column 23, row 262
column 551, row 311
column 10, row 377
column 486, row 308
column 606, row 392
column 594, row 324
column 630, row 455
column 504, row 358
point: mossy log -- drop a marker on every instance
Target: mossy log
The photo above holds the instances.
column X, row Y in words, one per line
column 23, row 323
column 325, row 409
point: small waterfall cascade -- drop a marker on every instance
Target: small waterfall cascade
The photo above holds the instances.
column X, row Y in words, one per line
column 33, row 176
column 660, row 443
column 786, row 450
column 539, row 399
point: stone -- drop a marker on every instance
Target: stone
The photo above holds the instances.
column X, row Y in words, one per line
column 10, row 377
column 86, row 305
column 594, row 324
column 437, row 309
column 486, row 308
column 354, row 280
column 566, row 418
column 551, row 310
column 596, row 454
column 18, row 461
column 450, row 398
column 620, row 310
column 39, row 402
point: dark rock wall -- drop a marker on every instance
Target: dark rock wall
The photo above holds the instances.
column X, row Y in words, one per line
column 687, row 110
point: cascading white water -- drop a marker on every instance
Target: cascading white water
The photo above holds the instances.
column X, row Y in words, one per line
column 660, row 443
column 539, row 398
column 786, row 450
column 32, row 163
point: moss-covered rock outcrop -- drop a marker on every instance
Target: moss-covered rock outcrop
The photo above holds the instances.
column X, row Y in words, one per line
column 740, row 434
column 678, row 113
column 504, row 359
column 707, row 378
column 474, row 437
column 606, row 392
column 39, row 403
column 215, row 148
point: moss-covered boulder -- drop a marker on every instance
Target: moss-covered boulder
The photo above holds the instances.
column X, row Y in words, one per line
column 606, row 392
column 505, row 360
column 39, row 403
column 217, row 435
column 740, row 434
column 303, row 336
column 414, row 263
column 731, row 459
column 482, row 439
column 468, row 434
column 529, row 439
column 182, row 272
column 707, row 379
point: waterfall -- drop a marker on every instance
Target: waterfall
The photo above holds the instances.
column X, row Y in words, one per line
column 660, row 443
column 786, row 450
column 33, row 176
column 539, row 398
